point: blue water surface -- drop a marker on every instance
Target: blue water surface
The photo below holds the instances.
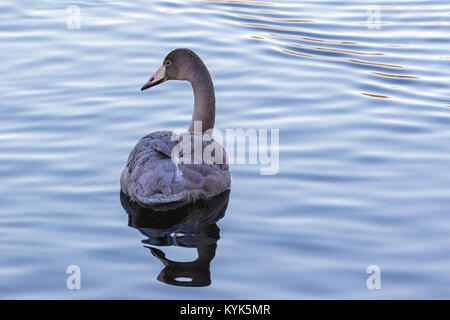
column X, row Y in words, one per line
column 360, row 93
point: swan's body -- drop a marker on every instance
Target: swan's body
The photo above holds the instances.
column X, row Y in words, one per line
column 150, row 177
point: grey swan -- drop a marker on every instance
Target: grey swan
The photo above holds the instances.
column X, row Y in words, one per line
column 150, row 177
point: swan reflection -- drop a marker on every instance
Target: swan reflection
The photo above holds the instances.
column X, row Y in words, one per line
column 191, row 226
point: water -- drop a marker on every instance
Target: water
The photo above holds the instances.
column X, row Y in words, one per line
column 363, row 112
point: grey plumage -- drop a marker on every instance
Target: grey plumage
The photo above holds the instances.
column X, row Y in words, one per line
column 150, row 177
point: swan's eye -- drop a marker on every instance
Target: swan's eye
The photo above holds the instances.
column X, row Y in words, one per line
column 167, row 63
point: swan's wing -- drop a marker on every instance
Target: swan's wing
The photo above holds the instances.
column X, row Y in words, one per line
column 151, row 178
column 149, row 168
column 156, row 145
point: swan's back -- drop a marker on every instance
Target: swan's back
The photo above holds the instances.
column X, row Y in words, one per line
column 153, row 180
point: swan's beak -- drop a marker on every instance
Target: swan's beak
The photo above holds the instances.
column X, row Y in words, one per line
column 157, row 78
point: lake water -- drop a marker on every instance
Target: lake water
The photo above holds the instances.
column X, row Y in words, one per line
column 360, row 93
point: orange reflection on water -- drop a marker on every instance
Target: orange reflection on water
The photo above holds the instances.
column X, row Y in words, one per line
column 398, row 46
column 374, row 95
column 394, row 75
column 337, row 50
column 297, row 53
column 311, row 39
column 375, row 64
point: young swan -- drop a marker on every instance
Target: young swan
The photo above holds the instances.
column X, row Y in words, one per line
column 150, row 177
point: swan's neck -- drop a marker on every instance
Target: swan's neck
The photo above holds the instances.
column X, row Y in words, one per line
column 204, row 101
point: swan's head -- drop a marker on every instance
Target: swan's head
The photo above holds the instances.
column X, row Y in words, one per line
column 180, row 64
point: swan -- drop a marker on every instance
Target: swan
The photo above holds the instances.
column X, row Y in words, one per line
column 150, row 177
